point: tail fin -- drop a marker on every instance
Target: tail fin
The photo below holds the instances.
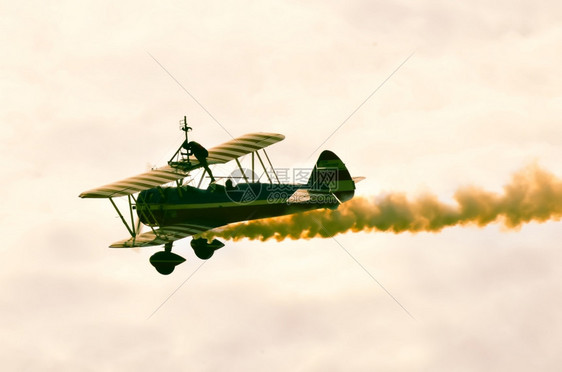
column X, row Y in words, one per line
column 331, row 175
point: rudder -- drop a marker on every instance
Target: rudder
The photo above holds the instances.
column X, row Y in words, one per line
column 331, row 175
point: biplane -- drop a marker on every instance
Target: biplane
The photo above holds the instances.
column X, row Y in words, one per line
column 166, row 200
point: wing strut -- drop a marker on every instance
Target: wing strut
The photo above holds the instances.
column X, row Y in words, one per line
column 241, row 170
column 271, row 165
column 132, row 219
column 132, row 232
column 146, row 215
column 264, row 168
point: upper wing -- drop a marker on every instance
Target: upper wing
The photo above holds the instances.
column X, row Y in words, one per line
column 166, row 234
column 217, row 155
column 138, row 183
column 240, row 146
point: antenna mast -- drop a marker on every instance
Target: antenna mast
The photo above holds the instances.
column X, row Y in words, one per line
column 184, row 127
column 181, row 161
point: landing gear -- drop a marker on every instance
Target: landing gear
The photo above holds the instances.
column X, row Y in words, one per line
column 205, row 250
column 165, row 261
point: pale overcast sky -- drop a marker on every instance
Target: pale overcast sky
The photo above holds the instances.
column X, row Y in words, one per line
column 84, row 104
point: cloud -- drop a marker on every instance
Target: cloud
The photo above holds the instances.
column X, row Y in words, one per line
column 83, row 105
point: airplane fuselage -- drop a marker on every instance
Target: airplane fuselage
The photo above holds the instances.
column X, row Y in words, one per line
column 219, row 205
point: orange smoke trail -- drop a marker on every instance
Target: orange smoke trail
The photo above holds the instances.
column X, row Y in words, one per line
column 532, row 195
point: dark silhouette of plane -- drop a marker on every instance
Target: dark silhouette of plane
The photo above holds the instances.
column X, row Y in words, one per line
column 180, row 210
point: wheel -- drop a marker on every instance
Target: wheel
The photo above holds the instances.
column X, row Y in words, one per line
column 204, row 253
column 164, row 268
column 165, row 262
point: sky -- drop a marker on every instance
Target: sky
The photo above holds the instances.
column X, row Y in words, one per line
column 92, row 93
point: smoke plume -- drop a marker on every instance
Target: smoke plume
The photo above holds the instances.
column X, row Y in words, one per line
column 532, row 195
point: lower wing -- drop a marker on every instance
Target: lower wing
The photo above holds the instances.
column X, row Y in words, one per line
column 161, row 235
